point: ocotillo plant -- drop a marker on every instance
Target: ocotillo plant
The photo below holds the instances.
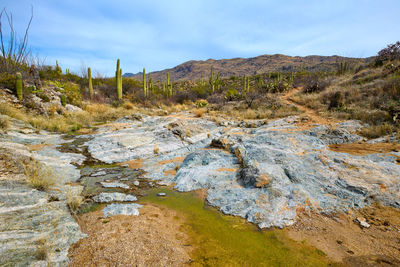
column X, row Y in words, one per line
column 90, row 83
column 18, row 85
column 118, row 80
column 144, row 82
column 212, row 82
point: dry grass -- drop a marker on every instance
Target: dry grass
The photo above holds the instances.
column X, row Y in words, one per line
column 377, row 131
column 4, row 123
column 156, row 149
column 199, row 112
column 42, row 249
column 74, row 200
column 39, row 176
column 128, row 106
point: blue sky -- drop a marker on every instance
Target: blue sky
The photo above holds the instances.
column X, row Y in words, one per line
column 163, row 34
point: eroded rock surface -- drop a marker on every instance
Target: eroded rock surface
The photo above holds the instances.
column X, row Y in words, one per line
column 36, row 227
column 265, row 174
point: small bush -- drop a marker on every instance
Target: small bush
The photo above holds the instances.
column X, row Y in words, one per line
column 201, row 103
column 4, row 123
column 128, row 105
column 315, row 84
column 391, row 52
column 7, row 80
column 156, row 149
column 199, row 112
column 74, row 200
column 38, row 175
column 376, row 131
column 336, row 100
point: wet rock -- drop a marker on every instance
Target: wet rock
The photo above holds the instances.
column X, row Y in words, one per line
column 121, row 209
column 114, row 185
column 100, row 173
column 262, row 174
column 111, row 197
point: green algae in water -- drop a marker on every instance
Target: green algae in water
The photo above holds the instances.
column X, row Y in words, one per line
column 221, row 240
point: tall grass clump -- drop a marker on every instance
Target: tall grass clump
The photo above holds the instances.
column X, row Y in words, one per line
column 39, row 176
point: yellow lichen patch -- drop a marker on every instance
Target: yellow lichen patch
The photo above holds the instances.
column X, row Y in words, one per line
column 177, row 159
column 226, row 170
column 397, row 158
column 365, row 148
column 263, row 180
column 38, row 147
column 170, row 172
column 133, row 164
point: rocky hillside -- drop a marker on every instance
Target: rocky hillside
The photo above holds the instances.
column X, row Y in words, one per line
column 193, row 70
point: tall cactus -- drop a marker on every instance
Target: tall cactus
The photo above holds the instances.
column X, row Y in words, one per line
column 118, row 80
column 168, row 85
column 18, row 85
column 150, row 86
column 58, row 68
column 144, row 82
column 212, row 81
column 246, row 84
column 90, row 83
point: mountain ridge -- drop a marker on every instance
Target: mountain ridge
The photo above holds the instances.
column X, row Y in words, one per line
column 239, row 66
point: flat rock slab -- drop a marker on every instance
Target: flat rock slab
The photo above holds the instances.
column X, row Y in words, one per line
column 114, row 185
column 111, row 197
column 121, row 209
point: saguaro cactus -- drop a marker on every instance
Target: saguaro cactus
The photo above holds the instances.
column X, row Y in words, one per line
column 18, row 85
column 144, row 82
column 118, row 80
column 150, row 86
column 58, row 68
column 212, row 81
column 90, row 83
column 246, row 84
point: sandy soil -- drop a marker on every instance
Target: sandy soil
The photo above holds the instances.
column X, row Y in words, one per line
column 343, row 239
column 309, row 117
column 152, row 239
column 365, row 148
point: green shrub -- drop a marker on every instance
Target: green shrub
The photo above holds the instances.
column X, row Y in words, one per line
column 232, row 94
column 7, row 80
column 73, row 93
column 201, row 103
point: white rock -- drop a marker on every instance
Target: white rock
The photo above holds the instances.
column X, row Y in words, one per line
column 363, row 222
column 114, row 185
column 110, row 197
column 121, row 209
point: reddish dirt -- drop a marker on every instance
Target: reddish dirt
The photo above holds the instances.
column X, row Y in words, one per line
column 177, row 159
column 343, row 239
column 133, row 164
column 365, row 148
column 155, row 238
column 226, row 170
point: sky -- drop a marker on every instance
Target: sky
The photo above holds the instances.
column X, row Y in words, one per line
column 162, row 34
